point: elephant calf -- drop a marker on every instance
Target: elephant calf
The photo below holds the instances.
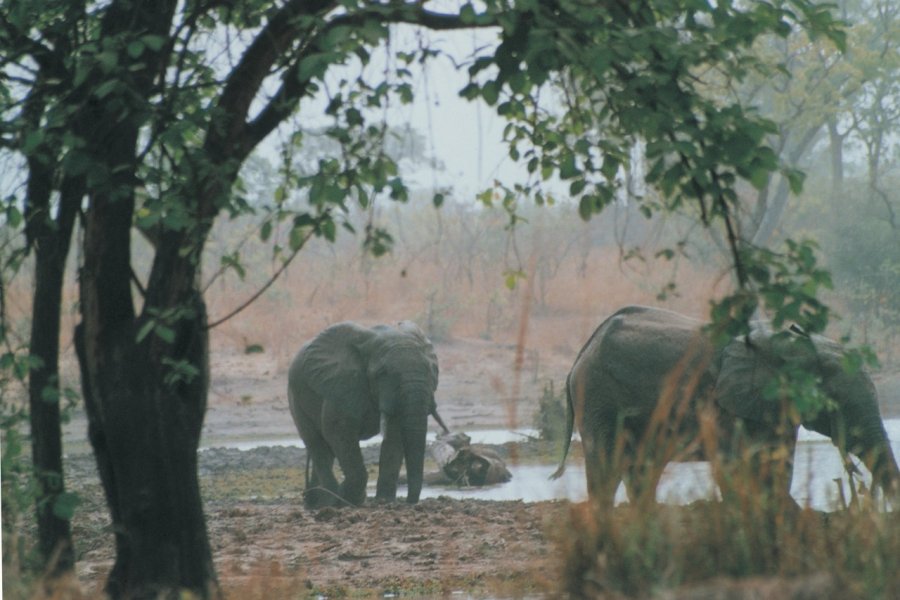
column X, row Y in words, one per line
column 342, row 385
column 648, row 376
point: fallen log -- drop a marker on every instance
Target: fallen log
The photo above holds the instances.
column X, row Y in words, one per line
column 466, row 464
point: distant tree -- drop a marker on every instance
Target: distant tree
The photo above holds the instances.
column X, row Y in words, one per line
column 825, row 95
column 140, row 115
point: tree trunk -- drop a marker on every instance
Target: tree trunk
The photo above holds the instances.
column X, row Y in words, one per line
column 775, row 206
column 145, row 435
column 145, row 399
column 51, row 243
column 836, row 151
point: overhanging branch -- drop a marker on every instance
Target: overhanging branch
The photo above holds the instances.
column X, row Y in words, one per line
column 293, row 88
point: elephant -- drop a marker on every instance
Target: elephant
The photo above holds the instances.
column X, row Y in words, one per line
column 650, row 384
column 348, row 383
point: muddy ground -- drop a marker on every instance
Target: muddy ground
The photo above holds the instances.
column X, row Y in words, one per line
column 267, row 545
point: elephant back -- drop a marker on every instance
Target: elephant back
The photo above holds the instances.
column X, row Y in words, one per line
column 331, row 364
column 638, row 355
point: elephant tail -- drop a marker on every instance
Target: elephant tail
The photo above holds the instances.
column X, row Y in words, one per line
column 570, row 426
column 306, row 476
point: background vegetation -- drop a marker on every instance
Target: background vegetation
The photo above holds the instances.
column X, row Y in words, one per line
column 685, row 126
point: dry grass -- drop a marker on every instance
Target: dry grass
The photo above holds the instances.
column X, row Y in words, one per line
column 634, row 550
column 756, row 531
column 313, row 296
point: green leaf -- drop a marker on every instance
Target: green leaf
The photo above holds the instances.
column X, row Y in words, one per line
column 610, row 166
column 13, row 216
column 467, row 15
column 511, row 278
column 491, row 92
column 567, row 168
column 145, row 330
column 586, row 207
column 64, row 505
column 154, row 42
column 438, row 200
column 577, row 186
column 795, row 180
column 108, row 60
column 329, row 230
column 106, row 88
column 254, row 349
column 166, row 334
column 759, row 178
column 296, row 238
column 135, row 48
column 265, row 231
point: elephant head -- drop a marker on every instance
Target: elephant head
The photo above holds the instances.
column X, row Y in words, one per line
column 851, row 417
column 403, row 375
column 352, row 381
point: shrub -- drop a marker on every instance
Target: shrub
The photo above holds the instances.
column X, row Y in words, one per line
column 550, row 418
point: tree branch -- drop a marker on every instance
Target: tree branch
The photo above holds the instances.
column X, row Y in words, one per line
column 258, row 60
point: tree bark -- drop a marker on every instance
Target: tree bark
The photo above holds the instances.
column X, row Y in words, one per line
column 51, row 241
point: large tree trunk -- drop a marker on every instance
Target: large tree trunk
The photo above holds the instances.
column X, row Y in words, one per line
column 145, row 433
column 146, row 398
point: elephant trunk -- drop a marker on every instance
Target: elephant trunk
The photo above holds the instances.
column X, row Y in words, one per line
column 886, row 472
column 414, row 454
column 883, row 466
column 871, row 444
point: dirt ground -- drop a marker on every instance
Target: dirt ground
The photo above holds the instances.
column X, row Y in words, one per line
column 267, row 545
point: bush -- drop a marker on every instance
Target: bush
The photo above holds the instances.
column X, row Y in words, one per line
column 550, row 418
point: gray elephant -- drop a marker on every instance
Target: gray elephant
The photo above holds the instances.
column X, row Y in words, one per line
column 342, row 386
column 649, row 386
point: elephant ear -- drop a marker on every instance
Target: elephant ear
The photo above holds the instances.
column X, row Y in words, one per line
column 748, row 365
column 333, row 365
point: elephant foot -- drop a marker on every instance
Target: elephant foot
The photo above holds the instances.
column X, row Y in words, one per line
column 318, row 497
column 352, row 497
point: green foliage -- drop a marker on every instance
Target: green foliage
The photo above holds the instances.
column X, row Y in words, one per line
column 550, row 418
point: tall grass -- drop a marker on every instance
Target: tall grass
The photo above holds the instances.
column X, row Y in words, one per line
column 636, row 550
column 756, row 529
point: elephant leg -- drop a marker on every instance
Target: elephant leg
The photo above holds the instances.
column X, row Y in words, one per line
column 641, row 482
column 389, row 463
column 602, row 466
column 775, row 464
column 759, row 462
column 353, row 488
column 323, row 486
